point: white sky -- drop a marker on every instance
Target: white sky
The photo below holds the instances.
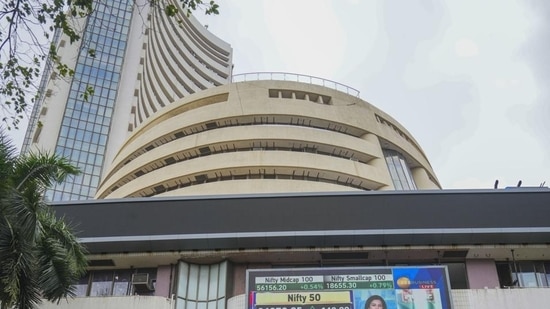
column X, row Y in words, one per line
column 468, row 78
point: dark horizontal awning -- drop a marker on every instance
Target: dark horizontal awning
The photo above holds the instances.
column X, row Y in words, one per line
column 446, row 217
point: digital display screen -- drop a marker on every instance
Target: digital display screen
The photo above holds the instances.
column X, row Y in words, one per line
column 425, row 287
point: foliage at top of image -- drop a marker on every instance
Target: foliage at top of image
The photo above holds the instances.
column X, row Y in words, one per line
column 27, row 28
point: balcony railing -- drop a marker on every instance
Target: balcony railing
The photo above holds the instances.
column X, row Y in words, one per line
column 244, row 77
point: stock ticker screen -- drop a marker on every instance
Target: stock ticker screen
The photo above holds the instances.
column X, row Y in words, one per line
column 425, row 287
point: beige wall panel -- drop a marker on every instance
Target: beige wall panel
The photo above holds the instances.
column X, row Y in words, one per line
column 247, row 186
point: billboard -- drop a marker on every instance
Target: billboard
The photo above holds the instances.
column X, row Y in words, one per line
column 423, row 287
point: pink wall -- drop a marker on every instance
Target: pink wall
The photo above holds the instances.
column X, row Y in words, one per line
column 162, row 288
column 482, row 274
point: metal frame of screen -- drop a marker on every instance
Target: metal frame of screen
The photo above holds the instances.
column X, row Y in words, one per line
column 407, row 287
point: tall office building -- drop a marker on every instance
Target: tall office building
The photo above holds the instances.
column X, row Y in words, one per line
column 143, row 61
column 166, row 118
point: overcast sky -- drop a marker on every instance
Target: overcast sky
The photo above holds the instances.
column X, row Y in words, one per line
column 468, row 79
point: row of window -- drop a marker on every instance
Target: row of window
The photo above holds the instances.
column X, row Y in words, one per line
column 525, row 274
column 207, row 47
column 398, row 168
column 398, row 131
column 234, row 122
column 86, row 111
column 185, row 42
column 84, row 147
column 115, row 282
column 202, row 286
column 205, row 151
column 299, row 95
column 105, row 73
column 342, row 180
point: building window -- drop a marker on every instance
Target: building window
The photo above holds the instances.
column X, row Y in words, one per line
column 525, row 274
column 400, row 172
column 201, row 286
column 111, row 282
column 102, row 283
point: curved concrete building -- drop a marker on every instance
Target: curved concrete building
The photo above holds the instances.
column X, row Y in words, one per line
column 267, row 136
column 199, row 60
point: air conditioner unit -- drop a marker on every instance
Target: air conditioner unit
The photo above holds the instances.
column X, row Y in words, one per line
column 142, row 283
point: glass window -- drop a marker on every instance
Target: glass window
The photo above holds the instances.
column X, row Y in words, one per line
column 95, row 181
column 399, row 170
column 524, row 274
column 213, row 287
column 504, row 275
column 527, row 275
column 81, row 288
column 541, row 274
column 103, row 28
column 98, row 160
column 222, row 280
column 180, row 303
column 211, row 305
column 203, row 283
column 75, row 155
column 201, row 305
column 102, row 283
column 183, row 279
column 193, row 282
column 88, row 192
column 122, row 282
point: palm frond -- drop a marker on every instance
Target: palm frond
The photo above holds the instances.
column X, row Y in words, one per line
column 62, row 258
column 17, row 274
column 39, row 255
column 8, row 157
column 41, row 170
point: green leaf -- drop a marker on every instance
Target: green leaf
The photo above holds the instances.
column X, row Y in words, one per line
column 88, row 92
column 171, row 10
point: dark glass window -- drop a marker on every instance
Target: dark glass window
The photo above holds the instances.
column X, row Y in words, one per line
column 524, row 274
column 110, row 282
